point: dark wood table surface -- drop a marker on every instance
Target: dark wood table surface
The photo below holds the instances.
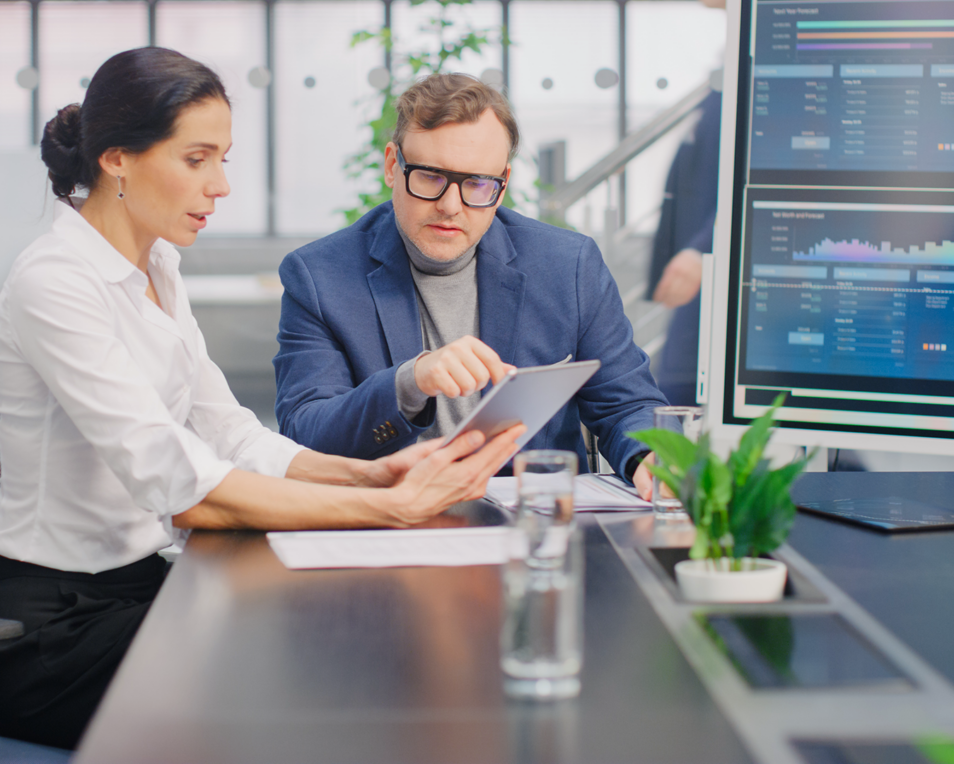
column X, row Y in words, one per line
column 241, row 660
column 905, row 580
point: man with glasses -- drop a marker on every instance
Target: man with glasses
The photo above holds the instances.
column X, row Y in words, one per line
column 391, row 327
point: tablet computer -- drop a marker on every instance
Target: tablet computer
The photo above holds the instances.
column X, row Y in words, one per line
column 531, row 395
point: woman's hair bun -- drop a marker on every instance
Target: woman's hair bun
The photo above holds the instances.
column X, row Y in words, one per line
column 61, row 152
column 132, row 103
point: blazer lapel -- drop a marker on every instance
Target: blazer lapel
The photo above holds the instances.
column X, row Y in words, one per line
column 500, row 292
column 395, row 299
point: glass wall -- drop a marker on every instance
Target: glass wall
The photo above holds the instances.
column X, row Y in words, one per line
column 413, row 29
column 563, row 81
column 230, row 38
column 670, row 49
column 75, row 38
column 302, row 98
column 659, row 73
column 323, row 101
column 556, row 51
column 15, row 99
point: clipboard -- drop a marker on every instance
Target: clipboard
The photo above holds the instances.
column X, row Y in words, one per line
column 531, row 395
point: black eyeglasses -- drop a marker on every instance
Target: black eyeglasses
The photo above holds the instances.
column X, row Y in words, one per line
column 430, row 184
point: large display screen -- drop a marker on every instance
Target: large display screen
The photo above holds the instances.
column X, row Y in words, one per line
column 841, row 287
column 864, row 90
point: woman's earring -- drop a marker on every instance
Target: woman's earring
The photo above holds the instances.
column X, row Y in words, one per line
column 120, row 195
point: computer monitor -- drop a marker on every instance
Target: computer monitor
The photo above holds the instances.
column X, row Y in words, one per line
column 834, row 247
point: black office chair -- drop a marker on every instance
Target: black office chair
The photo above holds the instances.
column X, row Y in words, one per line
column 17, row 751
column 592, row 449
column 10, row 629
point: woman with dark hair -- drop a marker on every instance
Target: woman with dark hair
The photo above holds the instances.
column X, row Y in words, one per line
column 117, row 432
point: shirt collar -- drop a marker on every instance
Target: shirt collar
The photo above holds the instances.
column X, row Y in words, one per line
column 429, row 265
column 90, row 244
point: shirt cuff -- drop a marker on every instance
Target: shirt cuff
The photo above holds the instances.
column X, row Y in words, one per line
column 411, row 401
column 178, row 536
column 269, row 455
column 632, row 464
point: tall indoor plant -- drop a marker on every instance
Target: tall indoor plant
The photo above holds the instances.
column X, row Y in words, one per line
column 740, row 507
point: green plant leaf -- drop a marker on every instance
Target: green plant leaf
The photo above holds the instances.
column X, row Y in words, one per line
column 708, row 499
column 363, row 36
column 752, row 445
column 717, row 481
column 762, row 510
column 937, row 749
column 673, row 448
column 700, row 546
column 659, row 471
column 741, row 507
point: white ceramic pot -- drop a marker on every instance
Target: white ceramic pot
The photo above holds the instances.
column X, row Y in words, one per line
column 759, row 580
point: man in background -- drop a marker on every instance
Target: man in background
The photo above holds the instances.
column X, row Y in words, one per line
column 684, row 233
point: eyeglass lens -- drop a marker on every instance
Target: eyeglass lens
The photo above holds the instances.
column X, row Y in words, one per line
column 475, row 191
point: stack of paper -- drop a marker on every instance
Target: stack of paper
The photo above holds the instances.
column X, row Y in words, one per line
column 301, row 550
column 591, row 492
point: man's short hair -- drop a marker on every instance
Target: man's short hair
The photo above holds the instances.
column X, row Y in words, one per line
column 442, row 99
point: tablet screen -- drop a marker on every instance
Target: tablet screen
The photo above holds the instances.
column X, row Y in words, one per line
column 531, row 395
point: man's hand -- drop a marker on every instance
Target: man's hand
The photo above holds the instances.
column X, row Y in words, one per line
column 459, row 369
column 681, row 279
column 643, row 478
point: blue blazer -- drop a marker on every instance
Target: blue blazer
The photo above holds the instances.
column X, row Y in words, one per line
column 350, row 318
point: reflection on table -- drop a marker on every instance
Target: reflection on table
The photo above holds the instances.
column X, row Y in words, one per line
column 241, row 660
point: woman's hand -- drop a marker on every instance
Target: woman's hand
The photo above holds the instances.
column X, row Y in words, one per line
column 427, row 480
column 445, row 477
column 388, row 470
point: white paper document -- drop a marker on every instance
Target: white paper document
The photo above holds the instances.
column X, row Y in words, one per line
column 300, row 550
column 590, row 493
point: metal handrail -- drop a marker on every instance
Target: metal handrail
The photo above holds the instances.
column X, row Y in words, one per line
column 634, row 143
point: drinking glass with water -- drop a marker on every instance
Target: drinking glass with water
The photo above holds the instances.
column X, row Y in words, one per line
column 545, row 503
column 688, row 421
column 542, row 635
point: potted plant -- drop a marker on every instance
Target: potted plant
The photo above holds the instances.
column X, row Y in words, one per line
column 740, row 507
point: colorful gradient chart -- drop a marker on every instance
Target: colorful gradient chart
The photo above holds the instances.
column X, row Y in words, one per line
column 856, row 251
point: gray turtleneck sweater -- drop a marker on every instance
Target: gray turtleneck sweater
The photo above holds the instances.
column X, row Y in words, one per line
column 447, row 300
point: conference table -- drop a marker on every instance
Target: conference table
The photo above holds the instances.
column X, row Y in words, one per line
column 242, row 660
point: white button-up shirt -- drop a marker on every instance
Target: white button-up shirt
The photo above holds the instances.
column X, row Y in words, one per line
column 112, row 416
